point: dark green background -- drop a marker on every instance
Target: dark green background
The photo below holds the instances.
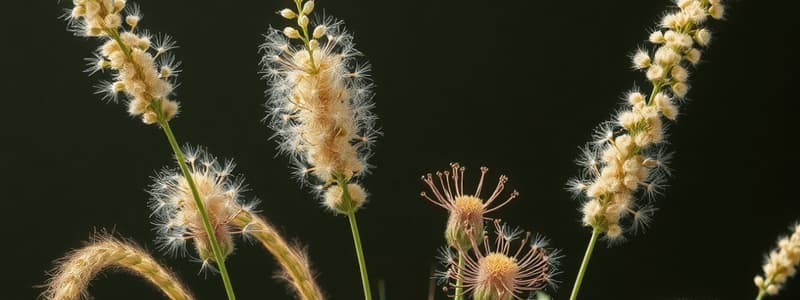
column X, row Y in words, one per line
column 514, row 85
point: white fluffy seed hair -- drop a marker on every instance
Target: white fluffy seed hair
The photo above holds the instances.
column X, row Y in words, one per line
column 177, row 218
column 322, row 120
column 625, row 166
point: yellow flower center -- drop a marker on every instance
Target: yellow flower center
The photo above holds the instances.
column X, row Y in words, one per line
column 469, row 209
column 498, row 271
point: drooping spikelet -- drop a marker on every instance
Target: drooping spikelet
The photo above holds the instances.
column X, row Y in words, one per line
column 141, row 67
column 780, row 264
column 626, row 161
column 499, row 272
column 74, row 272
column 295, row 265
column 179, row 220
column 319, row 99
column 466, row 210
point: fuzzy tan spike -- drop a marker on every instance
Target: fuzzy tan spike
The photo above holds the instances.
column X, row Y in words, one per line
column 71, row 277
column 293, row 261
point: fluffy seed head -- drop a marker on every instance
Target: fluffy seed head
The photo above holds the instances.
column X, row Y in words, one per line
column 320, row 102
column 178, row 218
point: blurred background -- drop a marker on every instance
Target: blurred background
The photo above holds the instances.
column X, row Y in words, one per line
column 516, row 86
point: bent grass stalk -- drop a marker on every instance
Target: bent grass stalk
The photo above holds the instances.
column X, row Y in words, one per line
column 351, row 216
column 73, row 275
column 293, row 262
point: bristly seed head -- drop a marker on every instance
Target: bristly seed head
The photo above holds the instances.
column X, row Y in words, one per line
column 177, row 216
column 319, row 97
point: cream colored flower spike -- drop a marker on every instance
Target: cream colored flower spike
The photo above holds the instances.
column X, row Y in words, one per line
column 140, row 64
column 626, row 163
column 779, row 265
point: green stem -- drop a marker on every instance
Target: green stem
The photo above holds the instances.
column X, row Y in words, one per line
column 362, row 264
column 761, row 293
column 305, row 38
column 459, row 281
column 588, row 255
column 351, row 215
column 215, row 248
column 164, row 122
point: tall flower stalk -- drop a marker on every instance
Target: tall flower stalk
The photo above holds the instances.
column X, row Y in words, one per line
column 144, row 72
column 626, row 162
column 319, row 106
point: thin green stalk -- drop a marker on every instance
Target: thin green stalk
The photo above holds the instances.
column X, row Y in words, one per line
column 164, row 123
column 215, row 248
column 761, row 294
column 588, row 255
column 306, row 38
column 351, row 215
column 459, row 282
column 763, row 291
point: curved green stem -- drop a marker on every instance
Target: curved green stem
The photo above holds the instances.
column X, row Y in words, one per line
column 215, row 248
column 588, row 255
column 351, row 216
column 459, row 281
